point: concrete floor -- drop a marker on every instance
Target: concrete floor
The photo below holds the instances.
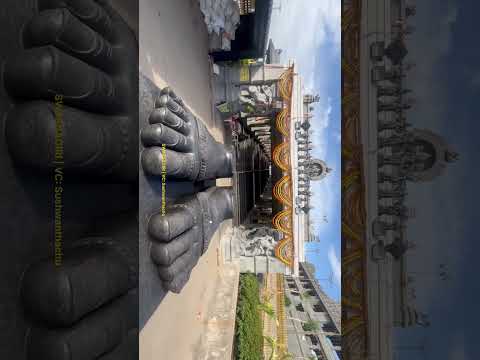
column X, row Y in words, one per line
column 197, row 323
column 174, row 51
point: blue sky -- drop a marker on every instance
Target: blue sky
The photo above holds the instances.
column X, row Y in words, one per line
column 308, row 31
column 446, row 84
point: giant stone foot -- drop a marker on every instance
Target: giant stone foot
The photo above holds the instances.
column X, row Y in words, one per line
column 190, row 153
column 75, row 86
column 181, row 235
column 70, row 81
column 86, row 307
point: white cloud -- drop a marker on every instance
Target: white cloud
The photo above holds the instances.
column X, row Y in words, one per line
column 301, row 27
column 325, row 203
column 337, row 136
column 335, row 264
column 309, row 33
column 327, row 191
column 320, row 123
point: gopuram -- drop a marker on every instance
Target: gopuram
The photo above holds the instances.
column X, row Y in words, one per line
column 383, row 155
column 273, row 169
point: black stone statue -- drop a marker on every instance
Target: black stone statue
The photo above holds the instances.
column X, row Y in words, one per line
column 79, row 71
column 180, row 159
column 92, row 293
column 181, row 235
column 190, row 151
column 69, row 82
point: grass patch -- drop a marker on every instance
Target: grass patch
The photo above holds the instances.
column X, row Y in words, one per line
column 249, row 329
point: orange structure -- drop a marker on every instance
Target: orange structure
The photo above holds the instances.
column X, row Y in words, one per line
column 282, row 189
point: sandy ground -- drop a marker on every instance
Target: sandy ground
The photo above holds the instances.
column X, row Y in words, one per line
column 199, row 322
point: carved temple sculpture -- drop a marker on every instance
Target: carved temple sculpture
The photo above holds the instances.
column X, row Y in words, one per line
column 256, row 240
column 70, row 84
column 181, row 233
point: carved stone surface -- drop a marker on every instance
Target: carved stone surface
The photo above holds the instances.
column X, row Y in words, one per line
column 152, row 255
column 397, row 248
column 183, row 234
column 48, row 48
column 191, row 152
column 89, row 64
column 256, row 241
column 93, row 292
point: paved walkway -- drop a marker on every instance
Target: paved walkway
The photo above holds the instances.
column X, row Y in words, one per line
column 198, row 323
column 174, row 51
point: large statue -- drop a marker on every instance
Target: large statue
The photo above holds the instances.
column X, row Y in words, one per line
column 190, row 151
column 69, row 96
column 76, row 84
column 182, row 234
column 179, row 158
column 92, row 293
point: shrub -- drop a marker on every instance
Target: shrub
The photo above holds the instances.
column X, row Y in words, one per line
column 311, row 325
column 249, row 329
